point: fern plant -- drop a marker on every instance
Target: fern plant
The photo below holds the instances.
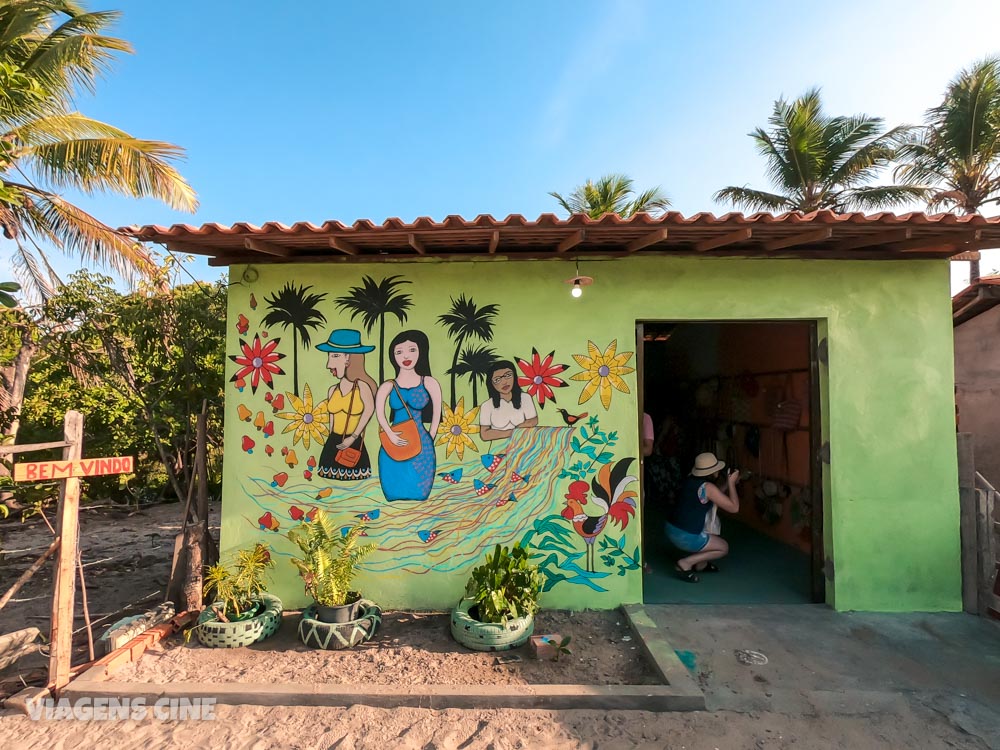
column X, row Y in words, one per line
column 506, row 586
column 238, row 586
column 330, row 558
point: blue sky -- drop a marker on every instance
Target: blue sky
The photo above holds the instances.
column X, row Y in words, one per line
column 331, row 110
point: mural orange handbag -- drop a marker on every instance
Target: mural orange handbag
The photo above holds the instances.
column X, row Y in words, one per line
column 407, row 430
column 349, row 457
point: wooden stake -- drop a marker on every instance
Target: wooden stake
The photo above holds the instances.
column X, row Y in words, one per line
column 35, row 567
column 64, row 574
column 86, row 609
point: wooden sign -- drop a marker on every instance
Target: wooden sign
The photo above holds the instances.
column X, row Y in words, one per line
column 38, row 471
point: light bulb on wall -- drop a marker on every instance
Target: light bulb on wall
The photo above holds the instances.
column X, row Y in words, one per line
column 577, row 289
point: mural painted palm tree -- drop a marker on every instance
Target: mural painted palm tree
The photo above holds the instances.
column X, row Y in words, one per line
column 373, row 301
column 816, row 161
column 465, row 320
column 293, row 307
column 476, row 364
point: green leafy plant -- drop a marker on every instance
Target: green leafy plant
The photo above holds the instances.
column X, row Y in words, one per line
column 330, row 558
column 238, row 585
column 506, row 586
column 562, row 648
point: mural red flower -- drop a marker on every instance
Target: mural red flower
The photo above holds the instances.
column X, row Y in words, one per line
column 539, row 376
column 258, row 362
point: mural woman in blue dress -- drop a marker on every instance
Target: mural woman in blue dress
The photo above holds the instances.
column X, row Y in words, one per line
column 406, row 460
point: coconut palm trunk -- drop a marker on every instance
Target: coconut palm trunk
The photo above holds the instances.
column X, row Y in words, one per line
column 454, row 365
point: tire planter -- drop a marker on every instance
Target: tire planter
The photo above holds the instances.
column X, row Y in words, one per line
column 333, row 636
column 488, row 636
column 216, row 634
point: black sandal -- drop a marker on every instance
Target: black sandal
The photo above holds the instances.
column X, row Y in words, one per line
column 685, row 575
column 709, row 568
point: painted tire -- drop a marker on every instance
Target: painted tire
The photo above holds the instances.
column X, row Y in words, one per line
column 215, row 634
column 334, row 636
column 488, row 636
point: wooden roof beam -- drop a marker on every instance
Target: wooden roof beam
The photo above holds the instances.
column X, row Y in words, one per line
column 878, row 238
column 571, row 241
column 967, row 255
column 652, row 238
column 268, row 248
column 416, row 244
column 347, row 248
column 802, row 238
column 937, row 243
column 190, row 248
column 713, row 243
column 494, row 241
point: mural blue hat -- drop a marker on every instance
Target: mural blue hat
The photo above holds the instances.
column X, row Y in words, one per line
column 345, row 341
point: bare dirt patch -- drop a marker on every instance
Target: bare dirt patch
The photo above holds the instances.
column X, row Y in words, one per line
column 410, row 649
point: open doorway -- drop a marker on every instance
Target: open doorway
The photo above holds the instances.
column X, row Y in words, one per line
column 747, row 392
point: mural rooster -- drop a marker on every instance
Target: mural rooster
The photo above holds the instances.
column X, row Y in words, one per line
column 609, row 499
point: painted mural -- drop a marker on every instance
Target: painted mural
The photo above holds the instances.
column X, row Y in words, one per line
column 442, row 439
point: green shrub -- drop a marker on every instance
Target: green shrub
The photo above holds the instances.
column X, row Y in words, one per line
column 506, row 585
column 239, row 585
column 329, row 558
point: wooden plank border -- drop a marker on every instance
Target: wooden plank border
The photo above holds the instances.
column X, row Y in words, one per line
column 555, row 697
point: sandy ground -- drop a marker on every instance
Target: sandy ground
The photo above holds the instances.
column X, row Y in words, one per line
column 409, row 649
column 361, row 727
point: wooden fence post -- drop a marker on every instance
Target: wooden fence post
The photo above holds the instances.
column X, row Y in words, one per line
column 64, row 574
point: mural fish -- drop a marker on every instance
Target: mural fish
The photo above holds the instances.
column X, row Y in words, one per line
column 452, row 477
column 427, row 536
column 504, row 500
column 515, row 477
column 268, row 522
column 481, row 487
column 492, row 461
column 369, row 516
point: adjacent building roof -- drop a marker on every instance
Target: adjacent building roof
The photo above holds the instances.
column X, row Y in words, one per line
column 819, row 235
column 975, row 299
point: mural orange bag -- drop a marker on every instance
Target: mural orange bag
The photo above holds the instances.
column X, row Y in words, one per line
column 407, row 430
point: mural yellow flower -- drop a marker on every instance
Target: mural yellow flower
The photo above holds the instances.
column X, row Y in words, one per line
column 308, row 421
column 456, row 426
column 602, row 371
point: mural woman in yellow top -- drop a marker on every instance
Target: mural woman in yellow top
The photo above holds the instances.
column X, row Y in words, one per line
column 351, row 403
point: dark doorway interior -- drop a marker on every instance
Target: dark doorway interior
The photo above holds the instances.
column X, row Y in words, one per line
column 746, row 392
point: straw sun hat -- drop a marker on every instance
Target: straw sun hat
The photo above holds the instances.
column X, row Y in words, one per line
column 707, row 464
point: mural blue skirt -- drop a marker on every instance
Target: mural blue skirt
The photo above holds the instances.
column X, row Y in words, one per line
column 412, row 479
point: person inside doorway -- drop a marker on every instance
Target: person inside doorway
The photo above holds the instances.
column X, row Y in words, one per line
column 686, row 523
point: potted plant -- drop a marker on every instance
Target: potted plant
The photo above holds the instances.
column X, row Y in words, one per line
column 328, row 565
column 501, row 598
column 242, row 612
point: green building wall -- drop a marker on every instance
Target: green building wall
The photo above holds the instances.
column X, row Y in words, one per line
column 890, row 491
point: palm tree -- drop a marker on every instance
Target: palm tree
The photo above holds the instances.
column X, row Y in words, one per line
column 49, row 50
column 373, row 302
column 820, row 162
column 292, row 307
column 466, row 320
column 956, row 154
column 476, row 363
column 612, row 194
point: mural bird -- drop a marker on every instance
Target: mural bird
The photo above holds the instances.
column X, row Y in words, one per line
column 451, row 477
column 610, row 499
column 571, row 419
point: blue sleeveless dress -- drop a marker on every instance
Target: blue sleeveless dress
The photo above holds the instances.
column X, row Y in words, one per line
column 412, row 479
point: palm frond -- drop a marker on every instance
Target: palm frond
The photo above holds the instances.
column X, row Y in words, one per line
column 754, row 200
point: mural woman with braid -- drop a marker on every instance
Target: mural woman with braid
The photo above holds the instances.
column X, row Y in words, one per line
column 406, row 460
